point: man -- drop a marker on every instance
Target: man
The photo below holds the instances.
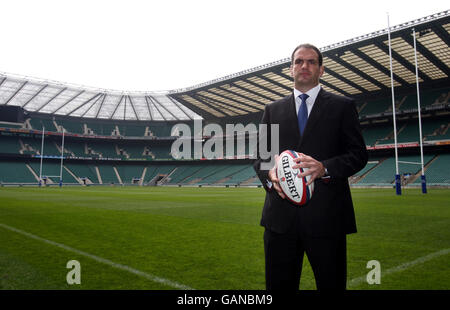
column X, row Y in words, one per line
column 324, row 129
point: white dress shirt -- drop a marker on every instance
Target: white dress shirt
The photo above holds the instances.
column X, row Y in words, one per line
column 312, row 93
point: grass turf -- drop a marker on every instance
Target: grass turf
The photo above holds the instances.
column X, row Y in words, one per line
column 204, row 238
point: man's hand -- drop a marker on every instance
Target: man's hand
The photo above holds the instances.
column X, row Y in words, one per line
column 273, row 178
column 315, row 168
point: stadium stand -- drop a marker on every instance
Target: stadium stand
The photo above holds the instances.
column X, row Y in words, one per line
column 181, row 173
column 376, row 107
column 369, row 166
column 132, row 130
column 408, row 132
column 101, row 149
column 439, row 130
column 438, row 172
column 75, row 149
column 107, row 174
column 14, row 172
column 70, row 126
column 156, row 173
column 9, row 144
column 373, row 135
column 130, row 174
column 219, row 177
column 383, row 172
column 83, row 172
column 244, row 174
column 39, row 123
column 51, row 170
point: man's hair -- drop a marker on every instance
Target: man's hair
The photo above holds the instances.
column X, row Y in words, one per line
column 310, row 46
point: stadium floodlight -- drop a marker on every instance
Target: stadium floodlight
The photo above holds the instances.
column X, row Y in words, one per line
column 398, row 184
column 424, row 182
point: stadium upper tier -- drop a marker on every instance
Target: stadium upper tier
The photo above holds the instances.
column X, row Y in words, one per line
column 358, row 68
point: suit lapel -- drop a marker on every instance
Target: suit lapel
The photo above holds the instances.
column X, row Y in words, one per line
column 316, row 114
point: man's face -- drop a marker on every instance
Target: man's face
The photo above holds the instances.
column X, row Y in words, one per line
column 305, row 69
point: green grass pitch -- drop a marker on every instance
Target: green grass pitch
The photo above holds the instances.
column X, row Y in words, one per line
column 203, row 238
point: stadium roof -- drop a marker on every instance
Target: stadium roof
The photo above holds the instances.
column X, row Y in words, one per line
column 73, row 100
column 358, row 67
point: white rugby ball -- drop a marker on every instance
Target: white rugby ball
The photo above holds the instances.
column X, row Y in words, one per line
column 293, row 186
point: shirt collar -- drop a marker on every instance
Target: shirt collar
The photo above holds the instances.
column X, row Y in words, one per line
column 312, row 93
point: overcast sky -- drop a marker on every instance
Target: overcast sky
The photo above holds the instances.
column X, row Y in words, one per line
column 138, row 45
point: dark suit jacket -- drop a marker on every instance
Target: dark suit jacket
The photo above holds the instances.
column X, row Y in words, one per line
column 333, row 136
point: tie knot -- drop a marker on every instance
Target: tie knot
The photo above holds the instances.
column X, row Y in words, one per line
column 304, row 97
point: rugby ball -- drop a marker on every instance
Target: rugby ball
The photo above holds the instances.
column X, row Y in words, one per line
column 293, row 186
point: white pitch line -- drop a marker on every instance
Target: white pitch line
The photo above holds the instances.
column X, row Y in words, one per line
column 101, row 260
column 420, row 260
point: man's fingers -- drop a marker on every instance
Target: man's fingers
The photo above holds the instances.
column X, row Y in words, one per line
column 276, row 161
column 302, row 157
column 278, row 189
column 305, row 173
column 309, row 182
column 302, row 165
column 273, row 176
column 305, row 162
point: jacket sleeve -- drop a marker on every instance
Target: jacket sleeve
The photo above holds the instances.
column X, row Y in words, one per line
column 263, row 174
column 353, row 154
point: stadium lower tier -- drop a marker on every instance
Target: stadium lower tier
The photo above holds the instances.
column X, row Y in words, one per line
column 378, row 172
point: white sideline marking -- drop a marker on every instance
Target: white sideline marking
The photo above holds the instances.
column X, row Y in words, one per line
column 420, row 260
column 101, row 260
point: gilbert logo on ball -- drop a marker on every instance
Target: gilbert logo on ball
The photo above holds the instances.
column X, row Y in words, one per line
column 293, row 186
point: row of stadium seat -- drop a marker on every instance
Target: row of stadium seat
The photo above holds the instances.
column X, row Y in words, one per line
column 98, row 128
column 98, row 149
column 438, row 173
column 432, row 130
column 381, row 171
column 378, row 172
column 405, row 103
column 76, row 173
